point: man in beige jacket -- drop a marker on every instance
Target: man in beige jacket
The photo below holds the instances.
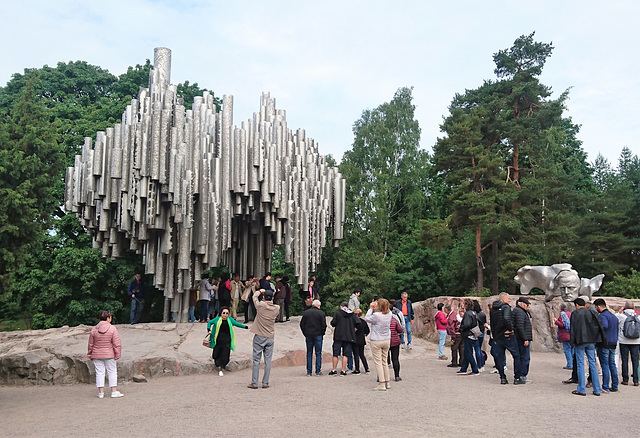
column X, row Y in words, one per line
column 237, row 288
column 263, row 329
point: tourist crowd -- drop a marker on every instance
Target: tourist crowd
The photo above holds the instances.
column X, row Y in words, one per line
column 591, row 330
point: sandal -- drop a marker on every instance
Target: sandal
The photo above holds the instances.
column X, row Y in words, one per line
column 575, row 392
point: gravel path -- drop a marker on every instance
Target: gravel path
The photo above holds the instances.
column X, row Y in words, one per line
column 430, row 401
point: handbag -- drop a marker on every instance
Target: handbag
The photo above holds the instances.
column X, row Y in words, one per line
column 475, row 330
column 206, row 342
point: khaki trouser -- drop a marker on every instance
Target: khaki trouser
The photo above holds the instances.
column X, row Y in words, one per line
column 380, row 350
column 234, row 308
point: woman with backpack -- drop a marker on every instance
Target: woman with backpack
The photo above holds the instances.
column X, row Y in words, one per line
column 629, row 340
column 469, row 321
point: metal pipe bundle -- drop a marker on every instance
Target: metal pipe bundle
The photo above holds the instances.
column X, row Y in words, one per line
column 189, row 190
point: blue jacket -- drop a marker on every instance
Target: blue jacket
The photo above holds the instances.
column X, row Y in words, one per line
column 610, row 326
column 136, row 288
column 409, row 308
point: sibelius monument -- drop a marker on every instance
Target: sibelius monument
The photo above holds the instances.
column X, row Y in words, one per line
column 189, row 190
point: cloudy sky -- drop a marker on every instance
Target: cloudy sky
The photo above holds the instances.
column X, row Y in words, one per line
column 325, row 62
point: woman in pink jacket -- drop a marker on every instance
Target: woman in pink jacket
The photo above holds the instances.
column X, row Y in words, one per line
column 104, row 350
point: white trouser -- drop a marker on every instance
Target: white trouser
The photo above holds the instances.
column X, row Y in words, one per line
column 112, row 371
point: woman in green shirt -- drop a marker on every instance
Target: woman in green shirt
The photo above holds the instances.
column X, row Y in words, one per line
column 222, row 339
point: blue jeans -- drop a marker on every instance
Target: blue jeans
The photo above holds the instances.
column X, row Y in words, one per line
column 609, row 369
column 590, row 351
column 314, row 343
column 478, row 351
column 469, row 348
column 498, row 351
column 192, row 316
column 525, row 358
column 443, row 337
column 407, row 325
column 568, row 353
column 136, row 310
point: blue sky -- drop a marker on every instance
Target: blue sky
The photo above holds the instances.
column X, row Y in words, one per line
column 326, row 62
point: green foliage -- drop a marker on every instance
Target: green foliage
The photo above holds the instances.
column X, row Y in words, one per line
column 30, row 165
column 623, row 286
column 386, row 175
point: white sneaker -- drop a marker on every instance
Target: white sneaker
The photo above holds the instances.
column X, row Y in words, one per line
column 410, row 347
column 220, row 373
column 101, row 395
column 481, row 370
column 116, row 394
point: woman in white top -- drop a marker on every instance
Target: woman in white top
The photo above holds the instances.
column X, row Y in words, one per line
column 379, row 317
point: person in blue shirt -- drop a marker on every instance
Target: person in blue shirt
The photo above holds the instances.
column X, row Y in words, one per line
column 607, row 350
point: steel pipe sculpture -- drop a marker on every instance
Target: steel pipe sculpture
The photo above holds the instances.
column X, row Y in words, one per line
column 189, row 190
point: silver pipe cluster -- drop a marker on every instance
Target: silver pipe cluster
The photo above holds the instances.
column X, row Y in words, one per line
column 189, row 190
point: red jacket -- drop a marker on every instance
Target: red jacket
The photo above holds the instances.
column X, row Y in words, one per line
column 396, row 329
column 441, row 320
column 563, row 333
column 104, row 342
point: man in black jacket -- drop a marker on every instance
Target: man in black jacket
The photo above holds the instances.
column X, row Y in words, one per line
column 314, row 325
column 586, row 331
column 524, row 336
column 344, row 336
column 503, row 337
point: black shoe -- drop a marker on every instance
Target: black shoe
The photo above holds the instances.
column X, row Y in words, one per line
column 453, row 365
column 398, row 379
column 518, row 382
column 356, row 372
column 569, row 381
column 343, row 373
column 319, row 373
column 578, row 393
column 333, row 373
column 504, row 381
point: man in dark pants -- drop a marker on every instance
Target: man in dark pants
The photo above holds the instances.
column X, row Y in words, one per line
column 136, row 292
column 503, row 337
column 524, row 336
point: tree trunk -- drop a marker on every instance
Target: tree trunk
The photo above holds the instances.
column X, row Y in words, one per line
column 494, row 280
column 479, row 256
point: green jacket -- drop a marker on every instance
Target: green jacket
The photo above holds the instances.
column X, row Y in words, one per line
column 218, row 321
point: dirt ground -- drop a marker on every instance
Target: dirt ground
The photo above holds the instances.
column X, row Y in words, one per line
column 430, row 401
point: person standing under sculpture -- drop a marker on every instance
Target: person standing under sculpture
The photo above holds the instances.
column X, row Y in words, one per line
column 441, row 328
column 224, row 291
column 105, row 349
column 237, row 288
column 564, row 324
column 314, row 288
column 205, row 289
column 287, row 297
column 136, row 292
column 523, row 330
column 263, row 329
column 193, row 300
column 503, row 337
column 250, row 287
column 607, row 350
column 280, row 295
column 405, row 306
column 586, row 331
column 314, row 325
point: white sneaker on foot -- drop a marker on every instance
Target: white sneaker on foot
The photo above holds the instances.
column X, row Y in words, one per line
column 101, row 395
column 220, row 373
column 116, row 394
column 481, row 370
